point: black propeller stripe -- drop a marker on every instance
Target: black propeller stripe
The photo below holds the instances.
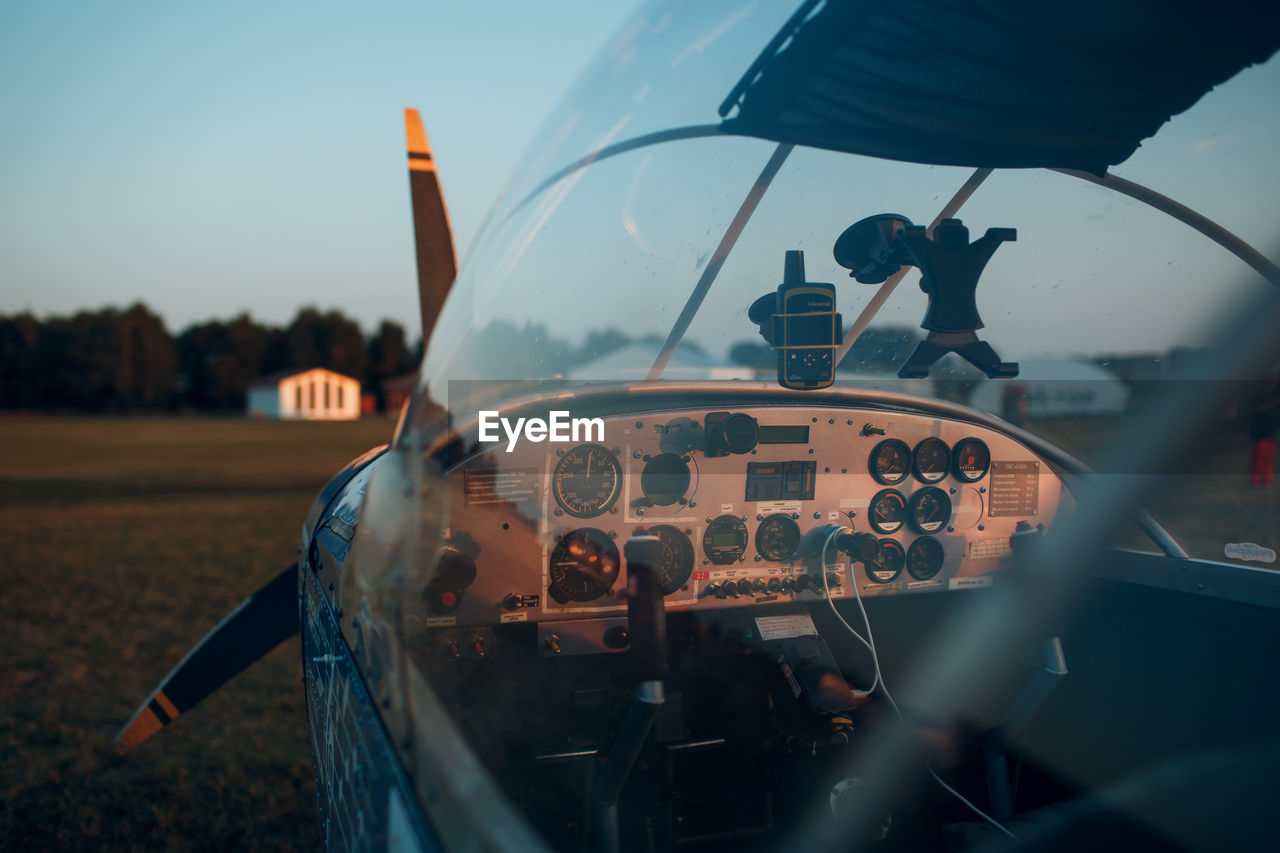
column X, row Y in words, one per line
column 160, row 712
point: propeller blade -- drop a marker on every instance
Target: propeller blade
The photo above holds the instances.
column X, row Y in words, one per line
column 263, row 621
column 433, row 235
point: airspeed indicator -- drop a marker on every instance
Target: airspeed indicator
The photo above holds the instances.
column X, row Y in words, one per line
column 587, row 480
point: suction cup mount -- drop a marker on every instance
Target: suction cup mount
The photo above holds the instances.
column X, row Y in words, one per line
column 868, row 248
column 950, row 266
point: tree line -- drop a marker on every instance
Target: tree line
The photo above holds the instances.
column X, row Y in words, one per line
column 113, row 360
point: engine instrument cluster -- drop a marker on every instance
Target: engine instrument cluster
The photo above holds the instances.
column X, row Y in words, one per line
column 744, row 503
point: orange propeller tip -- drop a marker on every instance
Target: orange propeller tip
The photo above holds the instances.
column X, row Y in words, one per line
column 415, row 136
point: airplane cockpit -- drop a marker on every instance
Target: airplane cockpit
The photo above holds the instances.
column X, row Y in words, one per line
column 695, row 535
column 770, row 522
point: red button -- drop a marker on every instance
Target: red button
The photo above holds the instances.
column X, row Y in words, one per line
column 448, row 599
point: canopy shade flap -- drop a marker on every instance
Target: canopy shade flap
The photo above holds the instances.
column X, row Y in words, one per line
column 996, row 83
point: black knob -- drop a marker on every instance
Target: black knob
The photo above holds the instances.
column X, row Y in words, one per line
column 714, row 589
column 745, row 586
column 802, row 583
column 731, row 589
column 862, row 547
column 833, row 579
column 511, row 601
column 617, row 638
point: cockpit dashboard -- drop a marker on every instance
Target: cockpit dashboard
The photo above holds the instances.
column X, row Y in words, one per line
column 747, row 500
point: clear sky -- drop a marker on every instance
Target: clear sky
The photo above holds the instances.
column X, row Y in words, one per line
column 212, row 158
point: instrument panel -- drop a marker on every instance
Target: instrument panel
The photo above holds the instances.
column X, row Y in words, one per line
column 743, row 501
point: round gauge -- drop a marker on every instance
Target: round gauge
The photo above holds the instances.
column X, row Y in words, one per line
column 584, row 565
column 777, row 538
column 677, row 557
column 725, row 540
column 931, row 460
column 888, row 565
column 929, row 510
column 924, row 558
column 739, row 433
column 970, row 460
column 665, row 479
column 587, row 480
column 890, row 462
column 887, row 512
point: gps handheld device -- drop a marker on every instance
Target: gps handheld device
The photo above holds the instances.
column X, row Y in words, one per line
column 800, row 322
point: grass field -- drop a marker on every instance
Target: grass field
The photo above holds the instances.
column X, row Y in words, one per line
column 1205, row 500
column 125, row 540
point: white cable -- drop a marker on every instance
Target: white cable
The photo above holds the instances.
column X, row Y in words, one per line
column 870, row 643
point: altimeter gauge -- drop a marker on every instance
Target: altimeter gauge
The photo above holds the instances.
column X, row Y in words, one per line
column 584, row 566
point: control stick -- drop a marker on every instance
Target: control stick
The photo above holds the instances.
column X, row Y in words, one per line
column 647, row 659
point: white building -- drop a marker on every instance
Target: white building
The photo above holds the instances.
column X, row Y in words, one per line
column 309, row 394
column 1055, row 387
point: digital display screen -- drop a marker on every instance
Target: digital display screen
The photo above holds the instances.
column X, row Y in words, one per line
column 724, row 540
column 784, row 434
column 811, row 330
